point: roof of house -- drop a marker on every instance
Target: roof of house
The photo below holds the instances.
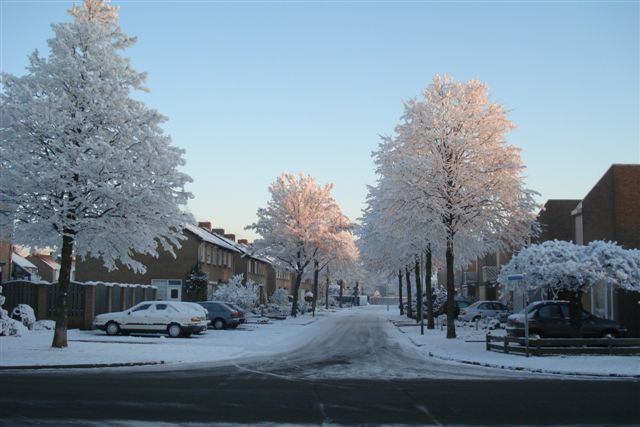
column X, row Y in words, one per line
column 207, row 236
column 22, row 261
column 53, row 264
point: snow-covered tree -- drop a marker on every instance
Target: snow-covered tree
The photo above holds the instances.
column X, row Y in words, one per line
column 456, row 174
column 299, row 219
column 86, row 168
column 560, row 267
column 280, row 297
column 245, row 295
column 196, row 284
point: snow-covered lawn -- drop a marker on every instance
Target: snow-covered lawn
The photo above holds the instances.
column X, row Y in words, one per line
column 95, row 347
column 469, row 347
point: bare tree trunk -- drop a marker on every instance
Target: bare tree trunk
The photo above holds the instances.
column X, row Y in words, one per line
column 341, row 283
column 409, row 297
column 296, row 291
column 419, row 298
column 451, row 325
column 429, row 291
column 315, row 287
column 64, row 282
column 326, row 294
column 575, row 313
column 400, row 292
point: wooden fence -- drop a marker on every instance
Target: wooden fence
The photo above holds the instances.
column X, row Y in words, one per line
column 553, row 346
column 84, row 300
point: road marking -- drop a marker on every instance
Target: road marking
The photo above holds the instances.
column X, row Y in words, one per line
column 425, row 411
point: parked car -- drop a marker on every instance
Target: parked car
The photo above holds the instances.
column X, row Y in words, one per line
column 481, row 309
column 551, row 319
column 243, row 319
column 221, row 315
column 174, row 318
column 459, row 303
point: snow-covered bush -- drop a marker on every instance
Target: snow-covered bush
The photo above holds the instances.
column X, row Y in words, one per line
column 280, row 297
column 44, row 325
column 24, row 314
column 9, row 326
column 243, row 295
column 308, row 296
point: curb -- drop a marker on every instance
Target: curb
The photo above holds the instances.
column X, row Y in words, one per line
column 536, row 371
column 80, row 366
column 519, row 368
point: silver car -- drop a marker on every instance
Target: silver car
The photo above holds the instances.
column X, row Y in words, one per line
column 482, row 309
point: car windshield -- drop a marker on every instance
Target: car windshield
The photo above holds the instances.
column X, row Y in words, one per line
column 532, row 306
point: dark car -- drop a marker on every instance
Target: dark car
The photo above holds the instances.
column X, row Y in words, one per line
column 243, row 319
column 551, row 319
column 458, row 304
column 221, row 315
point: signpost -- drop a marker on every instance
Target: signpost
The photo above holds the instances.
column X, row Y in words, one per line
column 518, row 278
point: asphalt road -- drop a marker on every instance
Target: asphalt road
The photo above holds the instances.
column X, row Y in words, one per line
column 324, row 382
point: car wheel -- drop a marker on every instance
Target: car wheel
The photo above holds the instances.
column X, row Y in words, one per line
column 174, row 330
column 112, row 328
column 218, row 324
column 609, row 334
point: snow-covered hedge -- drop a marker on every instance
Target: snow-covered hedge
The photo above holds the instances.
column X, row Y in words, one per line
column 24, row 314
column 243, row 295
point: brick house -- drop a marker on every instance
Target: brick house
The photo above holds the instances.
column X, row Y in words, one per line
column 611, row 211
column 48, row 267
column 556, row 221
column 214, row 255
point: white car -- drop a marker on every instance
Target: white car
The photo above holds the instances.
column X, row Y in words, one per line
column 481, row 309
column 171, row 317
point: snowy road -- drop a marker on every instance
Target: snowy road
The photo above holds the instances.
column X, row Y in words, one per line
column 348, row 371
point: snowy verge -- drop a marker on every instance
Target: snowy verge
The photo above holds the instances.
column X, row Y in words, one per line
column 469, row 348
column 96, row 349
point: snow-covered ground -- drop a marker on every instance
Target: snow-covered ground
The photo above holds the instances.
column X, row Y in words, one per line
column 469, row 348
column 96, row 348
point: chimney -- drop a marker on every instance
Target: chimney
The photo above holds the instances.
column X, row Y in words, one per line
column 230, row 236
column 243, row 242
column 219, row 231
column 205, row 224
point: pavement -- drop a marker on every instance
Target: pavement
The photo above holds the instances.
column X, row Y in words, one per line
column 352, row 373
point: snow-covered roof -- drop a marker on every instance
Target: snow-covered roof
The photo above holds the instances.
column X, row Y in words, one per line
column 22, row 261
column 49, row 261
column 215, row 239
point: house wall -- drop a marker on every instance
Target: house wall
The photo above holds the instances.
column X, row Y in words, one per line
column 44, row 270
column 556, row 221
column 611, row 211
column 5, row 260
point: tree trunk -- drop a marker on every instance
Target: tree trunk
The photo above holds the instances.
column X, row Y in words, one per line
column 326, row 294
column 409, row 297
column 296, row 291
column 401, row 305
column 64, row 282
column 429, row 291
column 451, row 325
column 315, row 287
column 341, row 283
column 419, row 297
column 575, row 313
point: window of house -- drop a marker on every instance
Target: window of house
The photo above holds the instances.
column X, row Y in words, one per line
column 201, row 252
column 208, row 254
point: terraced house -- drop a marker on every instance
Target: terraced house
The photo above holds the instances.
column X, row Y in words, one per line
column 214, row 255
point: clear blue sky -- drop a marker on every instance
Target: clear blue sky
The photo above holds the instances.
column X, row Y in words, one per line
column 254, row 89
